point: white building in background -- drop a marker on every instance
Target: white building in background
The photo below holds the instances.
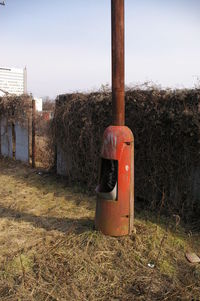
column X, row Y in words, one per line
column 38, row 104
column 13, row 81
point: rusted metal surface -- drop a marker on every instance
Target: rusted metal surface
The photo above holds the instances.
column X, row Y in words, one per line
column 115, row 192
column 33, row 132
column 132, row 191
column 115, row 218
column 118, row 95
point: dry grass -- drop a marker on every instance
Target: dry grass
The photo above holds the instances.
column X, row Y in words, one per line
column 50, row 252
column 44, row 152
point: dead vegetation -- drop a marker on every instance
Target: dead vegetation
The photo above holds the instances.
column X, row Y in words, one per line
column 49, row 250
column 45, row 148
column 166, row 126
column 16, row 108
column 45, row 152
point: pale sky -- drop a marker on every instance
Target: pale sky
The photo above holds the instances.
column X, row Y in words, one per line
column 66, row 44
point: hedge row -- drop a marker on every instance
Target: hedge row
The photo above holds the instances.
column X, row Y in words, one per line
column 166, row 127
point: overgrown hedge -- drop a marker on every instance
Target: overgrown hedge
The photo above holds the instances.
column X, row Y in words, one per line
column 16, row 108
column 166, row 126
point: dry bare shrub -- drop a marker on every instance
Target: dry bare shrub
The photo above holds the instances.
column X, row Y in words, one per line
column 166, row 126
column 45, row 152
column 16, row 108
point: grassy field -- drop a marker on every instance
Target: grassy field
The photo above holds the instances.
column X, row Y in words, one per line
column 49, row 250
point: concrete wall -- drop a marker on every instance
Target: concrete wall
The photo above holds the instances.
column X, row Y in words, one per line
column 64, row 165
column 6, row 139
column 22, row 143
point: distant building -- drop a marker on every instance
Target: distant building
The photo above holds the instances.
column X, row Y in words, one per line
column 13, row 81
column 38, row 104
column 47, row 115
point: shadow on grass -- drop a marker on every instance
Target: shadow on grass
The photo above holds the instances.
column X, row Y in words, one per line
column 38, row 178
column 46, row 182
column 64, row 225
